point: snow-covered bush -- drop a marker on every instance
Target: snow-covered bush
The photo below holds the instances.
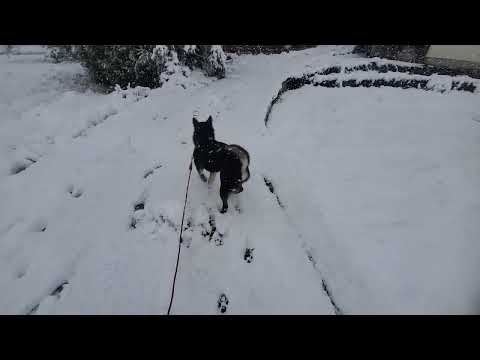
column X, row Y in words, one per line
column 214, row 61
column 145, row 69
column 167, row 62
column 8, row 49
column 409, row 53
column 60, row 53
column 179, row 59
column 187, row 54
column 263, row 49
column 109, row 65
column 149, row 65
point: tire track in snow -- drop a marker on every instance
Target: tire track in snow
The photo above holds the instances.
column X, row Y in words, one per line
column 281, row 204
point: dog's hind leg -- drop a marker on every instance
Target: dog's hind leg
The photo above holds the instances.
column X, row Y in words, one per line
column 224, row 196
column 237, row 205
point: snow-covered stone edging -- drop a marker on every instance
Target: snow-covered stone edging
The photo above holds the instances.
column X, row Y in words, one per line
column 379, row 74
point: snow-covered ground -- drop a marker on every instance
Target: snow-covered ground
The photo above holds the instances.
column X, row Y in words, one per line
column 378, row 193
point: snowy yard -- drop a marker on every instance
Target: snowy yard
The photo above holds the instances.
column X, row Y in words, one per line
column 360, row 201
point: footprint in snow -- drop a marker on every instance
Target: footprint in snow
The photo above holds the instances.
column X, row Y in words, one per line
column 139, row 206
column 138, row 214
column 222, row 303
column 21, row 165
column 20, row 274
column 151, row 170
column 40, row 225
column 75, row 192
column 248, row 256
column 59, row 289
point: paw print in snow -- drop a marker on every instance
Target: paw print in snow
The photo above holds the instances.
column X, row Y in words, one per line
column 222, row 303
column 74, row 191
column 248, row 256
column 218, row 239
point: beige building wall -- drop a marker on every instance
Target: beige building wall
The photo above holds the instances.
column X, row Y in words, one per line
column 460, row 55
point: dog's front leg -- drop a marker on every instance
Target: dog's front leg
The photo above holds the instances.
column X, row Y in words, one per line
column 202, row 175
column 211, row 178
column 200, row 170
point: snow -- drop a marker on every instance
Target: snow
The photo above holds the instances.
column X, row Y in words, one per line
column 378, row 186
column 393, row 192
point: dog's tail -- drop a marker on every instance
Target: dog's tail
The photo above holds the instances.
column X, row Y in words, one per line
column 244, row 158
column 248, row 175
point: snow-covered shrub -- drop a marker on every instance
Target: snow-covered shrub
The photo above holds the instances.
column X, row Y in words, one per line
column 214, row 61
column 109, row 65
column 146, row 69
column 149, row 65
column 409, row 53
column 8, row 49
column 187, row 54
column 263, row 49
column 133, row 94
column 59, row 53
column 175, row 59
column 168, row 65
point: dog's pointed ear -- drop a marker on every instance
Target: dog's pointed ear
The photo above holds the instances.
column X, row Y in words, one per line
column 195, row 122
column 210, row 120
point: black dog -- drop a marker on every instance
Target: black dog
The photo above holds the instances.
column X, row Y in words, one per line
column 214, row 156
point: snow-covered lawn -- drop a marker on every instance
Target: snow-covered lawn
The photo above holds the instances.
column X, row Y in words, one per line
column 374, row 209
